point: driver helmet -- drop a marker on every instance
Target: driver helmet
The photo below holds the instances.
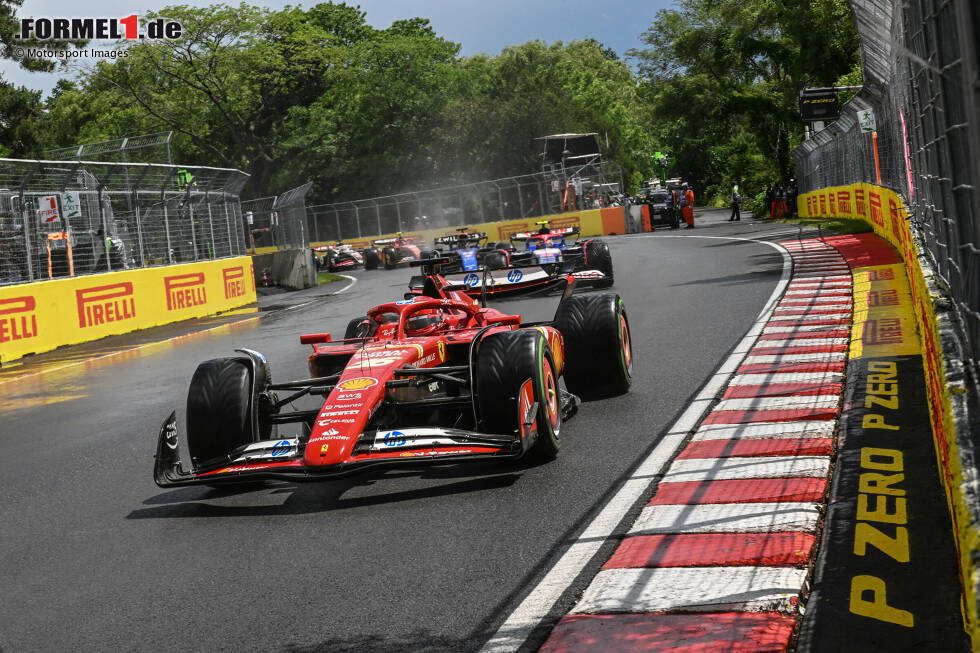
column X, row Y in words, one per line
column 424, row 322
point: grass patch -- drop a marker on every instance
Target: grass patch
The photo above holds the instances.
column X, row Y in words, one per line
column 327, row 277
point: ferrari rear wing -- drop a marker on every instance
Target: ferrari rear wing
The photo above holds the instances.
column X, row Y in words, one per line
column 383, row 241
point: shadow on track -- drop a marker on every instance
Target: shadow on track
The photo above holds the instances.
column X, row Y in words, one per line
column 315, row 497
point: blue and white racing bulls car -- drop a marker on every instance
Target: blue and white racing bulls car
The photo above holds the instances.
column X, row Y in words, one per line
column 545, row 264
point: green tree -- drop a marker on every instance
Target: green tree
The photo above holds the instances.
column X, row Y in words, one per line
column 723, row 76
column 502, row 104
column 21, row 108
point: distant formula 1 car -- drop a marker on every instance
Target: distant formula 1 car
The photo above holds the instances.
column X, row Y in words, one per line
column 393, row 252
column 430, row 379
column 338, row 257
column 467, row 251
column 542, row 266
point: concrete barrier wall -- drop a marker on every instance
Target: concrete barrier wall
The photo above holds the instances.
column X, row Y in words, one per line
column 42, row 316
column 291, row 268
column 952, row 393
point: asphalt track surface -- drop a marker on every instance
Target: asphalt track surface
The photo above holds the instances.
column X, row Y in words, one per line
column 93, row 556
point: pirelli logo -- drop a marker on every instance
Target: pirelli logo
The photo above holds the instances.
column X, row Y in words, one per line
column 101, row 305
column 561, row 223
column 18, row 321
column 506, row 231
column 185, row 291
column 234, row 281
column 876, row 215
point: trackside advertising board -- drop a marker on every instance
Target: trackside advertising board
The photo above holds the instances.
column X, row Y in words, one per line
column 41, row 316
column 593, row 222
column 884, row 210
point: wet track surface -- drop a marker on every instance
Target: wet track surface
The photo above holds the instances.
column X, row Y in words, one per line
column 93, row 556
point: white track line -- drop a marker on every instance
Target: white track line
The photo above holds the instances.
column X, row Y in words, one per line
column 792, row 402
column 831, row 356
column 665, row 589
column 806, row 328
column 726, row 518
column 808, row 316
column 538, row 603
column 803, row 342
column 769, row 378
column 814, row 428
column 742, row 467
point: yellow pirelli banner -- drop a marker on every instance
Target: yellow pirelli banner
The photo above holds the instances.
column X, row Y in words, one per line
column 42, row 316
column 592, row 222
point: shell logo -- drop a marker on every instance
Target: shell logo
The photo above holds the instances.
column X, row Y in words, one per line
column 442, row 352
column 359, row 383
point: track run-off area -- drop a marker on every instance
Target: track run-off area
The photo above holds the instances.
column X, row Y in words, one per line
column 94, row 556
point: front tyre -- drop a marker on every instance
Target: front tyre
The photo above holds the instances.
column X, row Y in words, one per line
column 598, row 349
column 360, row 327
column 218, row 409
column 371, row 259
column 506, row 362
column 388, row 255
column 598, row 257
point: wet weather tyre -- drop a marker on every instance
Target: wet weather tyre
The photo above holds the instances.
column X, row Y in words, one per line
column 505, row 362
column 388, row 255
column 598, row 350
column 360, row 327
column 218, row 409
column 598, row 257
column 371, row 259
column 495, row 261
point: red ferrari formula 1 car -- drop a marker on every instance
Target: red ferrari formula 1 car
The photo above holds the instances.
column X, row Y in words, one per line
column 436, row 378
column 393, row 252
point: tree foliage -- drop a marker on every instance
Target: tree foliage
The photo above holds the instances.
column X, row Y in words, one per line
column 723, row 77
column 296, row 94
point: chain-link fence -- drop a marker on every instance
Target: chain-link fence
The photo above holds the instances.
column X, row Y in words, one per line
column 278, row 221
column 921, row 82
column 509, row 198
column 61, row 218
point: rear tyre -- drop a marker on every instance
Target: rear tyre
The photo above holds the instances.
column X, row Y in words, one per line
column 371, row 259
column 495, row 261
column 388, row 256
column 598, row 350
column 217, row 409
column 598, row 257
column 505, row 362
